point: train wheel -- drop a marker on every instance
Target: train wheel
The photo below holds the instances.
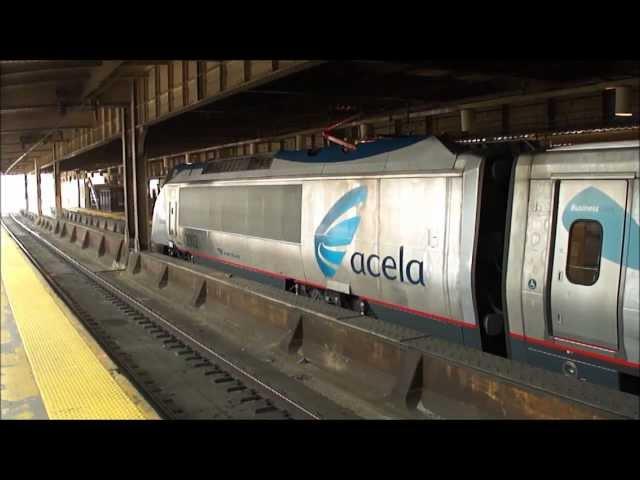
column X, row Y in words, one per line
column 316, row 294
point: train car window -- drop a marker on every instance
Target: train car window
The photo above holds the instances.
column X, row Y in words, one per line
column 272, row 212
column 585, row 248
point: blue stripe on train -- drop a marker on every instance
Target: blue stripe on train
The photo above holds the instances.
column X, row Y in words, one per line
column 593, row 204
column 334, row 153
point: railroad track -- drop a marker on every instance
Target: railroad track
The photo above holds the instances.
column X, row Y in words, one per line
column 181, row 377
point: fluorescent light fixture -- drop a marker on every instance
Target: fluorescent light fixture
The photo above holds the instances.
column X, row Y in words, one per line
column 466, row 120
column 623, row 101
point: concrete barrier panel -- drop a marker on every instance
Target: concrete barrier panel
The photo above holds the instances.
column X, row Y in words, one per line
column 113, row 248
column 95, row 221
column 106, row 247
column 150, row 271
column 364, row 360
column 472, row 392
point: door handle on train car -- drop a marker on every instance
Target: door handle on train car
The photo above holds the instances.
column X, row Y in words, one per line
column 560, row 275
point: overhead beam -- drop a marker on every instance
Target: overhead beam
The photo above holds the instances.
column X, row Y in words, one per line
column 494, row 100
column 36, row 95
column 18, row 150
column 35, row 108
column 24, row 140
column 41, row 83
column 52, row 124
column 99, row 78
column 19, row 66
column 344, row 95
column 41, row 75
column 25, row 154
column 226, row 91
column 448, row 72
column 17, row 131
column 116, row 95
column 44, row 121
column 49, row 129
column 545, row 71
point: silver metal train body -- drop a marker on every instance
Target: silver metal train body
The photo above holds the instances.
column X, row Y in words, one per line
column 572, row 283
column 395, row 229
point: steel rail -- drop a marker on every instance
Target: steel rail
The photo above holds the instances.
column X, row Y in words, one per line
column 179, row 332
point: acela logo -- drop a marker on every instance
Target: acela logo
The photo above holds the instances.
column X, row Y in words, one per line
column 331, row 240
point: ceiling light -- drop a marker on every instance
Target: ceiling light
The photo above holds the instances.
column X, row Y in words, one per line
column 623, row 101
column 466, row 120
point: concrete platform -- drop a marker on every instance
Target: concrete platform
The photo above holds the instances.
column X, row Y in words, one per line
column 19, row 395
column 51, row 367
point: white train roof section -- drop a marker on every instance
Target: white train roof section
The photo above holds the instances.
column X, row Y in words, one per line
column 405, row 154
column 598, row 146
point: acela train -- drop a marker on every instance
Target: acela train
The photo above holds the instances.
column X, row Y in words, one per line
column 533, row 256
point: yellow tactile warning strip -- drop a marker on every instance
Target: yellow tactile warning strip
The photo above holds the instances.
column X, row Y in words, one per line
column 19, row 395
column 72, row 381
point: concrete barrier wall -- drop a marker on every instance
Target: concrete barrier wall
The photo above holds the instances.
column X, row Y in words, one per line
column 468, row 391
column 96, row 221
column 200, row 291
column 105, row 247
column 377, row 366
column 353, row 354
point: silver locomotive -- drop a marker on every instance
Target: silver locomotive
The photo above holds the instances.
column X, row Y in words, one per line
column 412, row 232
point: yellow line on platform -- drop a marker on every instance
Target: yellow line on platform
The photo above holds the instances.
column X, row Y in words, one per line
column 72, row 381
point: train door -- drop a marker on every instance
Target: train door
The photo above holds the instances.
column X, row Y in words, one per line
column 586, row 261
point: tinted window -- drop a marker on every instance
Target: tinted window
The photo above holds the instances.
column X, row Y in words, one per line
column 266, row 211
column 585, row 247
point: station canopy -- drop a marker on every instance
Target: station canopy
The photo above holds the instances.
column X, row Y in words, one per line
column 44, row 102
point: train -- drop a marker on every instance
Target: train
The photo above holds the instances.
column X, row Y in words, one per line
column 526, row 253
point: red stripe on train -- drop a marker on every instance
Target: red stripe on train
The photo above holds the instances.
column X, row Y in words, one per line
column 546, row 343
column 557, row 346
column 420, row 313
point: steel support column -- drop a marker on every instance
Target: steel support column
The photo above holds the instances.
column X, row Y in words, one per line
column 135, row 178
column 129, row 223
column 26, row 193
column 38, row 191
column 78, row 183
column 57, row 185
column 142, row 190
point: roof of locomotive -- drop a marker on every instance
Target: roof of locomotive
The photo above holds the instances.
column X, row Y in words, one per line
column 387, row 155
